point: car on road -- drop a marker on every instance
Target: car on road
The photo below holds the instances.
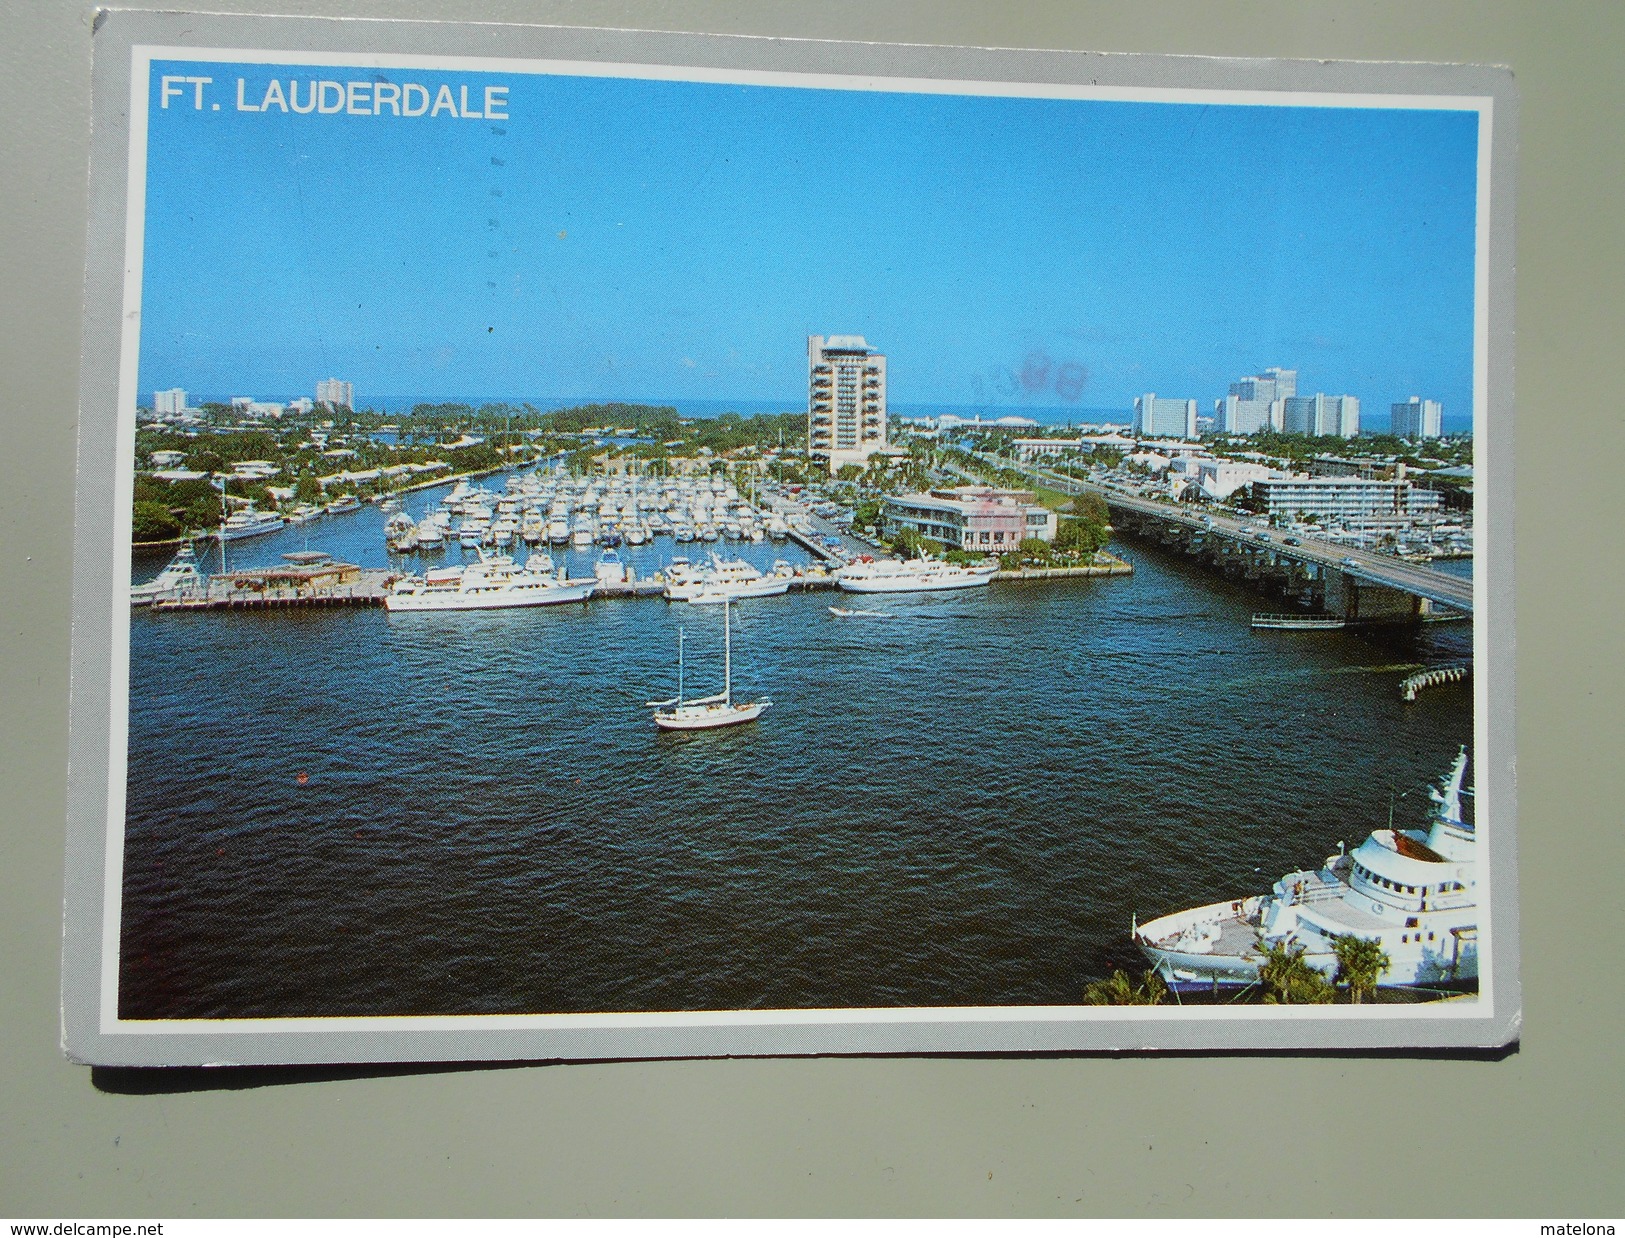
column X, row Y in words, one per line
column 1348, row 562
column 1290, row 541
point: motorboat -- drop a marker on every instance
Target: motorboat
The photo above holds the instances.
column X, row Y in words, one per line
column 609, row 570
column 865, row 575
column 495, row 582
column 248, row 523
column 729, row 579
column 180, row 578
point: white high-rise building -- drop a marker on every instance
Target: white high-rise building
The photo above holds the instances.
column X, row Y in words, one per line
column 1321, row 414
column 1273, row 384
column 1254, row 402
column 171, row 402
column 1417, row 418
column 1161, row 418
column 1236, row 415
column 335, row 393
column 846, row 400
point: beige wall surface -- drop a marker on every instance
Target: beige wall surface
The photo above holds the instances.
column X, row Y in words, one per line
column 1536, row 1133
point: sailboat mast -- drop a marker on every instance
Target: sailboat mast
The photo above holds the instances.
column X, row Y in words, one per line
column 225, row 511
column 727, row 656
column 679, row 667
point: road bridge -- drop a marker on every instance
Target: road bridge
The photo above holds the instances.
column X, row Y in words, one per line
column 1357, row 584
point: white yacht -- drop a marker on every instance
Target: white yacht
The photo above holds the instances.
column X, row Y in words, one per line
column 707, row 712
column 1414, row 892
column 726, row 579
column 910, row 575
column 495, row 582
column 609, row 570
column 180, row 578
column 248, row 523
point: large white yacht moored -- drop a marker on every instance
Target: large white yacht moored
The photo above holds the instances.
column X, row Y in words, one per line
column 248, row 522
column 729, row 579
column 1414, row 892
column 911, row 575
column 180, row 578
column 495, row 582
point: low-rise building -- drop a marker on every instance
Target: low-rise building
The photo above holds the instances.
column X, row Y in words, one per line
column 1048, row 448
column 1217, row 479
column 980, row 519
column 1340, row 498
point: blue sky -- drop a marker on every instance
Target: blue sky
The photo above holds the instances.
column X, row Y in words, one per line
column 637, row 240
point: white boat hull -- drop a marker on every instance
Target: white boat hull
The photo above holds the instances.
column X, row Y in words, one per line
column 915, row 584
column 765, row 588
column 489, row 599
column 1221, row 943
column 708, row 717
column 257, row 530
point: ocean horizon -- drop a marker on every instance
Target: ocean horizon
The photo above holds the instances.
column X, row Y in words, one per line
column 1049, row 416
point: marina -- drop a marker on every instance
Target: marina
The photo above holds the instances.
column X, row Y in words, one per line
column 473, row 810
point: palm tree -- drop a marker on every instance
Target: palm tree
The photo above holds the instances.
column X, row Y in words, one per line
column 1288, row 980
column 1121, row 991
column 1360, row 964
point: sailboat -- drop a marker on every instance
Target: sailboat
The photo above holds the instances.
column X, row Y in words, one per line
column 706, row 712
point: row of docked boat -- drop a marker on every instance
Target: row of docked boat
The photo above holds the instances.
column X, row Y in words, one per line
column 250, row 521
column 548, row 509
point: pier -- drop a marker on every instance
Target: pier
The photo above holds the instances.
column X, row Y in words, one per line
column 324, row 582
column 1431, row 678
column 316, row 581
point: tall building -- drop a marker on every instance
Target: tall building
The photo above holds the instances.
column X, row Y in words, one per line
column 846, row 400
column 1417, row 418
column 1321, row 414
column 172, row 402
column 1237, row 415
column 1254, row 402
column 1273, row 384
column 1158, row 418
column 335, row 393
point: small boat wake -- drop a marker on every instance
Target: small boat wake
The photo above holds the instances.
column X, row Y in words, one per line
column 841, row 612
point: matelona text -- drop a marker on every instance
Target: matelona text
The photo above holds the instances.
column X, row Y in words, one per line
column 329, row 98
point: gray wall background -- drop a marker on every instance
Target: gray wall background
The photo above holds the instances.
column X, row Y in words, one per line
column 1537, row 1133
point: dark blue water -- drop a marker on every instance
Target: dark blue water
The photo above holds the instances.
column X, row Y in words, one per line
column 961, row 804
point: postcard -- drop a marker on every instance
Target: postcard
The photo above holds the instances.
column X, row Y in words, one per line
column 605, row 544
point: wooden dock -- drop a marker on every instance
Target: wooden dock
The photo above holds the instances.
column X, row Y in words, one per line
column 281, row 588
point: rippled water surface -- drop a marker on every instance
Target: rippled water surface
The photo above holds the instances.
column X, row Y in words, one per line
column 350, row 812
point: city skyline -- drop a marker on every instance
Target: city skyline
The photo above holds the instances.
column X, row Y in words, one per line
column 677, row 240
